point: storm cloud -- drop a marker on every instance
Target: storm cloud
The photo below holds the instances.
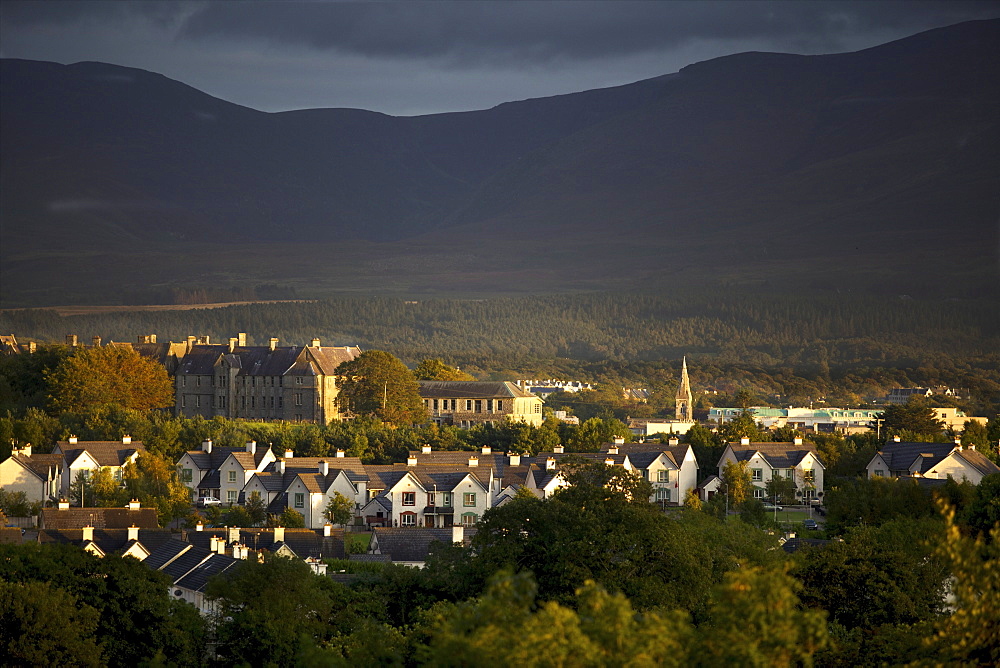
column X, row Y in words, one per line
column 423, row 57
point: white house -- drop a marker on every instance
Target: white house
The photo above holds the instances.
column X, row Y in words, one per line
column 38, row 476
column 930, row 460
column 797, row 460
column 86, row 456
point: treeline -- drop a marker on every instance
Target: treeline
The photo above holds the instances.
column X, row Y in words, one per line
column 203, row 295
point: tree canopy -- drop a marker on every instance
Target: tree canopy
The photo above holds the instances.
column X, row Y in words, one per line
column 109, row 376
column 435, row 369
column 377, row 383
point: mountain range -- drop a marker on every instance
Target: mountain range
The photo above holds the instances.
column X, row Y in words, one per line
column 877, row 170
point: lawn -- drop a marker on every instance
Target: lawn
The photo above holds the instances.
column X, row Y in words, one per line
column 358, row 542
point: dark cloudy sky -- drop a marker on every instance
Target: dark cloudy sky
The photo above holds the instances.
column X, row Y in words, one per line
column 406, row 58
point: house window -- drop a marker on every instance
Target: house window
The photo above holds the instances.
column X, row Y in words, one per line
column 446, row 499
column 431, row 498
column 409, row 498
column 663, row 494
column 499, row 405
column 184, row 381
column 197, row 381
column 298, row 380
column 197, row 401
column 186, row 475
column 300, row 500
column 663, row 476
column 758, row 493
column 469, row 519
column 298, row 398
column 879, row 473
column 479, row 405
column 809, row 475
column 184, row 402
column 468, row 404
column 281, row 402
column 758, row 474
column 232, row 476
column 538, row 408
column 408, row 519
column 469, row 499
column 231, row 496
column 434, row 404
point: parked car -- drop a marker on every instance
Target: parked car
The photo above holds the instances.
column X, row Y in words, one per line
column 810, row 524
column 206, row 501
column 770, row 506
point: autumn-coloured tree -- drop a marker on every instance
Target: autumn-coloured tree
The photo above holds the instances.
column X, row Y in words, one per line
column 736, row 482
column 435, row 369
column 108, row 376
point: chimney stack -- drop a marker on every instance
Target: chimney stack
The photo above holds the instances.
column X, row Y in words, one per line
column 457, row 533
column 71, row 340
column 281, row 466
column 314, row 343
column 473, row 461
column 272, row 343
column 515, row 459
column 324, row 468
column 797, row 441
column 96, row 341
column 73, row 440
column 558, row 449
column 252, row 447
column 744, row 441
column 206, row 445
column 609, row 462
column 487, row 450
column 232, row 344
column 233, row 534
column 126, row 439
column 896, row 439
column 88, row 532
column 133, row 504
column 199, row 526
column 411, row 460
column 133, row 532
column 340, row 453
column 613, row 450
column 327, row 530
column 279, row 534
column 242, row 339
column 289, row 454
column 63, row 504
column 550, row 464
column 213, row 543
column 620, row 440
column 673, row 441
column 425, row 448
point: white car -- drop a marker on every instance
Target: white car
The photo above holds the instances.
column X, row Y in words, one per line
column 206, row 501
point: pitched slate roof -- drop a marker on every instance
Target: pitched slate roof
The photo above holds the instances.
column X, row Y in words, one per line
column 978, row 461
column 99, row 518
column 412, row 543
column 39, row 465
column 107, row 453
column 11, row 535
column 778, row 455
column 185, row 562
column 900, row 455
column 109, row 540
column 197, row 578
column 262, row 361
column 470, row 389
column 355, row 470
column 164, row 552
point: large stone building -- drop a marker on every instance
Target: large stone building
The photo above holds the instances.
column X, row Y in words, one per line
column 269, row 382
column 465, row 403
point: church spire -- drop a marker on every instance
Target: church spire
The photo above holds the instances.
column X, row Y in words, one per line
column 684, row 400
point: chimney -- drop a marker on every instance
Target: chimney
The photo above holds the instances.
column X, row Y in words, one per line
column 558, row 449
column 613, row 450
column 289, row 454
column 619, row 440
column 797, row 441
column 272, row 343
column 550, row 464
column 279, row 534
column 673, row 441
column 896, row 439
column 71, row 340
column 32, row 346
column 252, row 447
column 133, row 532
column 609, row 462
column 744, row 441
column 199, row 526
column 970, row 446
column 233, row 534
column 26, row 450
column 411, row 460
column 457, row 533
column 340, row 454
column 324, row 468
column 241, row 339
column 327, row 530
column 88, row 532
column 232, row 344
column 190, row 341
column 63, row 504
column 73, row 439
column 126, row 439
column 96, row 341
column 314, row 343
column 205, row 339
column 213, row 543
column 281, row 466
column 133, row 504
column 473, row 461
column 206, row 445
column 425, row 448
column 515, row 459
column 487, row 450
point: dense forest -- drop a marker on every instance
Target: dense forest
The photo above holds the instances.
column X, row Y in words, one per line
column 788, row 349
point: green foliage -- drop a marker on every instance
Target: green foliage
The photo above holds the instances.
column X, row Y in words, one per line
column 913, row 421
column 256, row 509
column 16, row 504
column 780, row 489
column 340, row 509
column 436, row 369
column 862, row 501
column 154, row 481
column 23, row 383
column 289, row 518
column 108, row 376
column 982, row 514
column 736, row 482
column 743, row 426
column 376, row 383
column 27, row 635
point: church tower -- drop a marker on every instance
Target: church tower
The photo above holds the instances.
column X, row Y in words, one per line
column 685, row 411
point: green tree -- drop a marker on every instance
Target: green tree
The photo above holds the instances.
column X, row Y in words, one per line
column 340, row 509
column 16, row 504
column 914, row 419
column 742, row 426
column 692, row 500
column 736, row 482
column 109, row 376
column 27, row 636
column 377, row 383
column 256, row 509
column 780, row 489
column 436, row 369
column 154, row 481
column 289, row 518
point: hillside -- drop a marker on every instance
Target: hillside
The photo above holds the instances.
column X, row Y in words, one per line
column 873, row 171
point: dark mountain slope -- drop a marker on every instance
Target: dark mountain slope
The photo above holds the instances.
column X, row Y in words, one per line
column 751, row 167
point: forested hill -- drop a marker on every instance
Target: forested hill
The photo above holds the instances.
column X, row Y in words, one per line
column 875, row 171
column 951, row 342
